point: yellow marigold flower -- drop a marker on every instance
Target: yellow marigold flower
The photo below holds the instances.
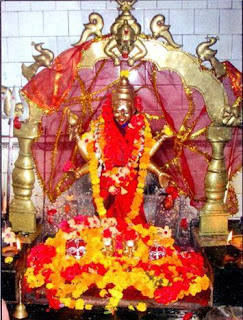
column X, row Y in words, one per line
column 141, row 306
column 49, row 285
column 36, row 280
column 125, row 73
column 150, row 242
column 88, row 307
column 143, row 165
column 141, row 185
column 66, row 302
column 96, row 189
column 114, row 302
column 167, row 131
column 8, row 260
column 79, row 305
column 194, row 289
column 143, row 173
column 141, row 230
column 116, row 294
column 102, row 212
column 96, row 180
column 152, row 229
column 139, row 190
column 203, row 281
column 50, row 241
column 98, row 201
column 165, row 282
column 177, row 279
column 58, row 250
column 103, row 292
column 77, row 293
column 131, row 307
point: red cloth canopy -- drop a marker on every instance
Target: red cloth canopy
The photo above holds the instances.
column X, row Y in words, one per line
column 66, row 85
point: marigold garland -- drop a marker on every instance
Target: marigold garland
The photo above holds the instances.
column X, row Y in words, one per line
column 65, row 279
column 139, row 142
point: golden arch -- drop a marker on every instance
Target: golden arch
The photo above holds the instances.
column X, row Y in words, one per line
column 214, row 215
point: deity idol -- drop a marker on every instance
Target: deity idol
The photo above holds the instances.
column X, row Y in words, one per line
column 118, row 150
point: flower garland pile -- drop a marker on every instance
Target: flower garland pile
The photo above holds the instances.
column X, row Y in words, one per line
column 101, row 143
column 75, row 261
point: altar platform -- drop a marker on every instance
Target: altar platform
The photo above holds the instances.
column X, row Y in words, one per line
column 196, row 307
column 38, row 312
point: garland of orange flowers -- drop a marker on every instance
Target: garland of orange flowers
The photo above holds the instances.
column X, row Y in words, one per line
column 139, row 158
column 142, row 172
column 93, row 169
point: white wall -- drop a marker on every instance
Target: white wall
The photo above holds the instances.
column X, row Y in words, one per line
column 60, row 23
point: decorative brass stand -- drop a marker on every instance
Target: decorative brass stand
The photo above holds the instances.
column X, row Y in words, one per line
column 214, row 215
column 22, row 211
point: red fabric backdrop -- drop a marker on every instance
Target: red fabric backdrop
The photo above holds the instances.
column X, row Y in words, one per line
column 66, row 85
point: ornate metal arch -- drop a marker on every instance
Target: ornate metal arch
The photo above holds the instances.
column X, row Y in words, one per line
column 184, row 64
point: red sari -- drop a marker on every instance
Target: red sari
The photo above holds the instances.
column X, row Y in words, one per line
column 118, row 153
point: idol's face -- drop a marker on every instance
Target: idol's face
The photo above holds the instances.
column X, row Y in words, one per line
column 122, row 110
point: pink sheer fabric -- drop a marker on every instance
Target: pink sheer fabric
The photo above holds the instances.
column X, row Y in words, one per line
column 184, row 156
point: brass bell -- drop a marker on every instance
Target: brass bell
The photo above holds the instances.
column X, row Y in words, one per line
column 20, row 311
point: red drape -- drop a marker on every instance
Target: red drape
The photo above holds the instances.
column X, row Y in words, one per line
column 66, row 85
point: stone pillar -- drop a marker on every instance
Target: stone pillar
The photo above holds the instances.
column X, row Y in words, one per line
column 214, row 215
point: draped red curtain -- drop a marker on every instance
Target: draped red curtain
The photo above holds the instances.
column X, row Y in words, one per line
column 67, row 86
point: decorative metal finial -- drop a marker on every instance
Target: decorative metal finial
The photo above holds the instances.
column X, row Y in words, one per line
column 44, row 59
column 160, row 29
column 94, row 27
column 125, row 37
column 205, row 53
column 126, row 5
column 11, row 108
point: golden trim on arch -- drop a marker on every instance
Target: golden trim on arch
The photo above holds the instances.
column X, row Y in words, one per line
column 179, row 61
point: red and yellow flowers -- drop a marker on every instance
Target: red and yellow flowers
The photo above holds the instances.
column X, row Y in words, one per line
column 66, row 278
